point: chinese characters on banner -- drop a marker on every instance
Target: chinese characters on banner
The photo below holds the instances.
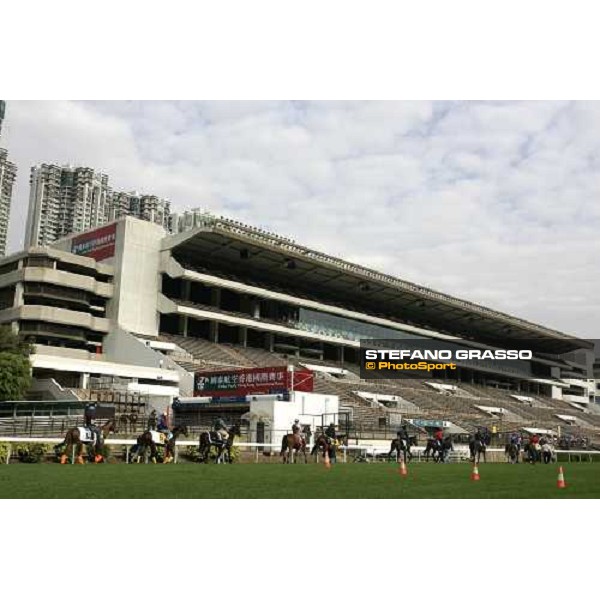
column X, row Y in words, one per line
column 244, row 382
column 98, row 244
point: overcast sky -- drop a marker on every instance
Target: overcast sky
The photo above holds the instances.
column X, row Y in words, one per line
column 498, row 203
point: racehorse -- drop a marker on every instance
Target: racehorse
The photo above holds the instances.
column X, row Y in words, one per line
column 477, row 448
column 433, row 449
column 294, row 443
column 533, row 452
column 79, row 436
column 324, row 444
column 401, row 445
column 511, row 450
column 446, row 447
column 548, row 455
column 151, row 439
column 208, row 439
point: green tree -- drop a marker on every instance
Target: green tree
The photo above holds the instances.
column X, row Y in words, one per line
column 12, row 343
column 15, row 367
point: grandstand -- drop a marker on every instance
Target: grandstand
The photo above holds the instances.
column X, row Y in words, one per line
column 157, row 308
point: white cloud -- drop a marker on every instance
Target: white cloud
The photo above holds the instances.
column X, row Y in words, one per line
column 495, row 202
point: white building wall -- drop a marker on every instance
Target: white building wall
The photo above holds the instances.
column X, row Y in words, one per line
column 137, row 277
column 306, row 406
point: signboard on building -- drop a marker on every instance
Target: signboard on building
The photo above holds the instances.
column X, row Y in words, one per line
column 248, row 382
column 98, row 244
column 428, row 423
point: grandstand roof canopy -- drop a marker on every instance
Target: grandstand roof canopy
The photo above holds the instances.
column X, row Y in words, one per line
column 253, row 254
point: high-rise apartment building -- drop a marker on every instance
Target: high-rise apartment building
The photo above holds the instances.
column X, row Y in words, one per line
column 143, row 206
column 2, row 111
column 8, row 174
column 65, row 200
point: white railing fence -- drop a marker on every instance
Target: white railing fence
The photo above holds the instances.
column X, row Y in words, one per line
column 365, row 450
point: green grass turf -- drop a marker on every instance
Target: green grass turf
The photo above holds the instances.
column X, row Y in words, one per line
column 296, row 481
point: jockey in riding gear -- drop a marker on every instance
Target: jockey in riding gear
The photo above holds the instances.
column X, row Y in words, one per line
column 89, row 414
column 438, row 437
column 152, row 421
column 296, row 427
column 330, row 431
column 163, row 423
column 221, row 429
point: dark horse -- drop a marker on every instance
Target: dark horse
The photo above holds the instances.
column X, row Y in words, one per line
column 77, row 437
column 210, row 439
column 433, row 449
column 327, row 446
column 403, row 445
column 151, row 440
column 511, row 450
column 477, row 448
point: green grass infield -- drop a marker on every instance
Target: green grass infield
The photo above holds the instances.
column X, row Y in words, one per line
column 424, row 480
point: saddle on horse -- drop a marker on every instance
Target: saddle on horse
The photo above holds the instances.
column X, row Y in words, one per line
column 88, row 435
column 218, row 438
column 161, row 437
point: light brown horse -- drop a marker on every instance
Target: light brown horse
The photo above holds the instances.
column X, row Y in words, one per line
column 73, row 439
column 290, row 444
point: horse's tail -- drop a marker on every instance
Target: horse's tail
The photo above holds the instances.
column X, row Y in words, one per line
column 63, row 443
column 283, row 445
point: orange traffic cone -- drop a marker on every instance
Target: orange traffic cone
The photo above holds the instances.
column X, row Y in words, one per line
column 560, row 482
column 403, row 470
column 475, row 473
column 327, row 461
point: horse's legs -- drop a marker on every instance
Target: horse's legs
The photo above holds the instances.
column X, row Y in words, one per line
column 64, row 458
column 79, row 453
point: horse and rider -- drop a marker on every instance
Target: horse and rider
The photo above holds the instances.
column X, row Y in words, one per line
column 433, row 447
column 292, row 443
column 402, row 443
column 478, row 444
column 438, row 448
column 220, row 438
column 90, row 436
column 512, row 449
column 160, row 436
column 327, row 443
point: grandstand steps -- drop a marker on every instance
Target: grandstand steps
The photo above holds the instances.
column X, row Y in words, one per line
column 363, row 411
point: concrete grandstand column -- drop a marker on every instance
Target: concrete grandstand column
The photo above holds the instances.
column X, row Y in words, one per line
column 214, row 332
column 18, row 299
column 184, row 322
column 243, row 336
column 270, row 342
column 255, row 308
column 84, row 381
column 187, row 288
column 215, row 297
